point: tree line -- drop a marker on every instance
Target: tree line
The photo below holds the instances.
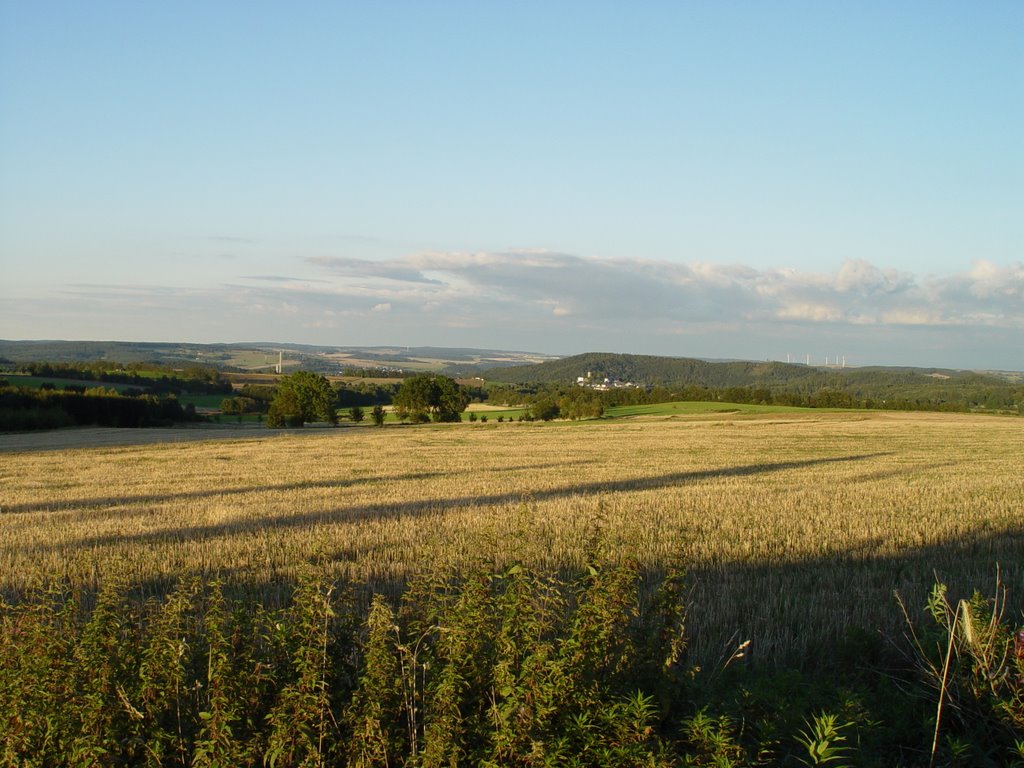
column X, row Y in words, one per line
column 787, row 384
column 161, row 379
column 27, row 409
column 531, row 394
column 304, row 397
column 296, row 399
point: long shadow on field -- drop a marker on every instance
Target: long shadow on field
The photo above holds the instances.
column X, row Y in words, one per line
column 842, row 607
column 156, row 498
column 385, row 511
column 831, row 611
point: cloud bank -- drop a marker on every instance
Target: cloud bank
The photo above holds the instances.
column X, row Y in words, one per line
column 665, row 294
column 562, row 303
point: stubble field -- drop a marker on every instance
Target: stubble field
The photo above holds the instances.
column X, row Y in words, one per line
column 794, row 529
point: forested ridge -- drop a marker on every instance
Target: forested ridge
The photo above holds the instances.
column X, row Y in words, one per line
column 968, row 389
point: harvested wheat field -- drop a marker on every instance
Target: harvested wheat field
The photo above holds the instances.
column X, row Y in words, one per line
column 794, row 529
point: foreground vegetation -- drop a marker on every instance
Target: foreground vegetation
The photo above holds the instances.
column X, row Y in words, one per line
column 299, row 596
column 476, row 668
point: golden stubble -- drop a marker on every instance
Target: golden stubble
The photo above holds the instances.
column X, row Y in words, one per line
column 794, row 529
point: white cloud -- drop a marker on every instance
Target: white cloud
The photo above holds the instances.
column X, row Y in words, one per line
column 602, row 291
column 862, row 277
column 554, row 302
column 816, row 313
column 497, row 287
column 910, row 317
column 990, row 280
column 388, row 270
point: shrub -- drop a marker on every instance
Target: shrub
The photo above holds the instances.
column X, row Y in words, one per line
column 973, row 661
column 378, row 415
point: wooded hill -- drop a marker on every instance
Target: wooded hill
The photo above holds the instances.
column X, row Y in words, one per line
column 250, row 356
column 879, row 383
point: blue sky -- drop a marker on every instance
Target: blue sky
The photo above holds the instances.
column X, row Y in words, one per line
column 711, row 179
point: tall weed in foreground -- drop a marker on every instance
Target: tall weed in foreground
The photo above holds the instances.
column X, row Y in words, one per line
column 824, row 741
column 516, row 668
column 457, row 716
column 474, row 668
column 972, row 658
column 37, row 640
column 107, row 721
column 166, row 696
column 373, row 716
column 525, row 677
column 301, row 723
column 219, row 742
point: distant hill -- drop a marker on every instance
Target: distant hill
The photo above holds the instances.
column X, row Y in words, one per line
column 651, row 370
column 254, row 356
column 931, row 385
column 991, row 390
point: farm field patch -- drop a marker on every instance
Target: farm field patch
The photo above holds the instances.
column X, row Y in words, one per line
column 35, row 382
column 691, row 407
column 202, row 402
column 795, row 528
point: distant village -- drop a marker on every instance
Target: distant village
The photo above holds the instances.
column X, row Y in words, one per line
column 590, row 382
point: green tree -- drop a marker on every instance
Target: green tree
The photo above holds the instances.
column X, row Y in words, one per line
column 545, row 409
column 236, row 406
column 580, row 403
column 430, row 397
column 356, row 414
column 302, row 397
column 285, row 410
column 377, row 414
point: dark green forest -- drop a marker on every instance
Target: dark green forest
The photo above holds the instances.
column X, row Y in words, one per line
column 28, row 409
column 784, row 383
